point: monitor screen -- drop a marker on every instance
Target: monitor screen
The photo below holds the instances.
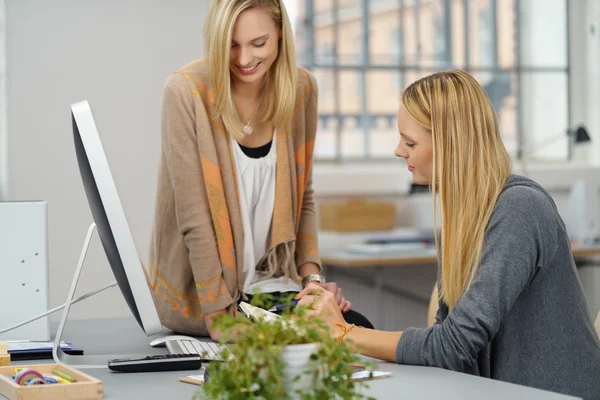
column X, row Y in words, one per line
column 110, row 220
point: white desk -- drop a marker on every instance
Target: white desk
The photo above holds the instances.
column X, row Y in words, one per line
column 122, row 335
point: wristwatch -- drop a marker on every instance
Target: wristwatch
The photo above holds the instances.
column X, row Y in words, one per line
column 313, row 278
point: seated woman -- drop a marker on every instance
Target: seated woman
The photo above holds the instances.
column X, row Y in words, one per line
column 511, row 306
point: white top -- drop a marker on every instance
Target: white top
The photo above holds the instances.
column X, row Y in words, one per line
column 256, row 186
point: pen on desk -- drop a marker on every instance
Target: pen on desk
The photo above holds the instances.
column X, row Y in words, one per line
column 281, row 307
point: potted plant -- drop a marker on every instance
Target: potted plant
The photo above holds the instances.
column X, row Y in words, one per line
column 292, row 357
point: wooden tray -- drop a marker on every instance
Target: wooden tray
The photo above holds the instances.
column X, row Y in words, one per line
column 85, row 388
column 4, row 356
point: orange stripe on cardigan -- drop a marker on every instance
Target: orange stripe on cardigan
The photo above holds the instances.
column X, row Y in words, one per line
column 306, row 244
column 282, row 223
column 305, row 88
column 218, row 211
column 303, row 159
column 158, row 279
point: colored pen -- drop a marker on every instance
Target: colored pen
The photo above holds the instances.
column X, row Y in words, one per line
column 63, row 375
column 281, row 307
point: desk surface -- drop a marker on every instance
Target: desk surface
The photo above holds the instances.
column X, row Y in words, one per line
column 343, row 258
column 123, row 336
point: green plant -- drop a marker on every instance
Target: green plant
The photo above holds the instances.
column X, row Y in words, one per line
column 257, row 371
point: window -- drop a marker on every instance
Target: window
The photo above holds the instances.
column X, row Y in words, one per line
column 364, row 52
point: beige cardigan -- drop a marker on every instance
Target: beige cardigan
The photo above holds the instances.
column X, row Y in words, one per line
column 196, row 251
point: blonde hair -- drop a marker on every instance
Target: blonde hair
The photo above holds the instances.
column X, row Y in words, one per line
column 281, row 79
column 470, row 168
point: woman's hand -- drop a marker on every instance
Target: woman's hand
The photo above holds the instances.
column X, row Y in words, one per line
column 216, row 334
column 312, row 268
column 332, row 287
column 322, row 304
column 372, row 343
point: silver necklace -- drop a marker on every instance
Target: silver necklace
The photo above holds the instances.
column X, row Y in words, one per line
column 247, row 129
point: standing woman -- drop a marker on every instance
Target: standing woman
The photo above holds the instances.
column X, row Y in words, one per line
column 511, row 304
column 235, row 213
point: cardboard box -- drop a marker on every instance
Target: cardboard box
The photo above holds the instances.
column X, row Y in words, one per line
column 357, row 215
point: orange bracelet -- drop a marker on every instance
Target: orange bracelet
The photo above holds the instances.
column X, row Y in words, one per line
column 346, row 330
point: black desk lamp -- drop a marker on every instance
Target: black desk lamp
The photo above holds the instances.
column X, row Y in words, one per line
column 577, row 136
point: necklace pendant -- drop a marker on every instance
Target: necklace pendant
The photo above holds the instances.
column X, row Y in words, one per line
column 247, row 130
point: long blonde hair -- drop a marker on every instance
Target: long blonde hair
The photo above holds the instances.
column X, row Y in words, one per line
column 470, row 168
column 281, row 79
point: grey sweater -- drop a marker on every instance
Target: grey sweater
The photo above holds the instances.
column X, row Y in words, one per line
column 524, row 319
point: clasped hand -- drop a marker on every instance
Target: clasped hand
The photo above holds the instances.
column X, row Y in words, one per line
column 336, row 291
column 321, row 303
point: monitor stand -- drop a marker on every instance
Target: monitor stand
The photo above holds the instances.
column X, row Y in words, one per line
column 84, row 361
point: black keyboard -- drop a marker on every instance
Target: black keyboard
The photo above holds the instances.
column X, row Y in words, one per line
column 163, row 362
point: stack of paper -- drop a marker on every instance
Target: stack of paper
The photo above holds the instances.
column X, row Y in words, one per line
column 27, row 350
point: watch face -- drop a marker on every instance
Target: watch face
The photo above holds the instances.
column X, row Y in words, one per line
column 313, row 278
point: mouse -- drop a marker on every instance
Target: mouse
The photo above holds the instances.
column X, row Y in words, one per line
column 162, row 341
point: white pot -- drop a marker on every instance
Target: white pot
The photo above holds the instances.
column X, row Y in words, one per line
column 296, row 358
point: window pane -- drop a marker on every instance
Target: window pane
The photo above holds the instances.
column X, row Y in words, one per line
column 326, row 84
column 350, row 92
column 458, row 32
column 428, row 33
column 502, row 90
column 384, row 136
column 543, row 38
column 350, row 35
column 383, row 96
column 323, row 33
column 385, row 32
column 545, row 118
column 300, row 25
column 383, row 91
column 353, row 143
column 352, row 138
column 483, row 46
column 326, row 144
column 507, row 33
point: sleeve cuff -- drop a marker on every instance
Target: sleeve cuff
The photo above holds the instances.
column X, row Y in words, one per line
column 304, row 258
column 209, row 304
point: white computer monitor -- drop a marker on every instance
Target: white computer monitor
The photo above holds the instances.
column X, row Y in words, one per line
column 110, row 219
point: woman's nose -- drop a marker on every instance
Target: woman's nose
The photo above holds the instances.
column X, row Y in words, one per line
column 245, row 57
column 400, row 151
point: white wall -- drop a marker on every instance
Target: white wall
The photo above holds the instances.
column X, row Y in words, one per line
column 116, row 54
column 3, row 106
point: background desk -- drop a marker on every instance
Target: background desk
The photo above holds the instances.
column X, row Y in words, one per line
column 342, row 258
column 346, row 263
column 123, row 336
